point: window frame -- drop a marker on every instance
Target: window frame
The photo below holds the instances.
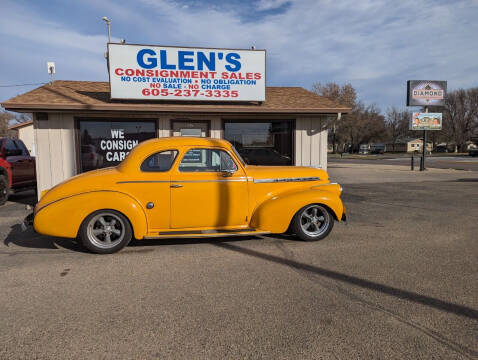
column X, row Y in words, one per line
column 157, row 152
column 292, row 120
column 105, row 118
column 209, row 171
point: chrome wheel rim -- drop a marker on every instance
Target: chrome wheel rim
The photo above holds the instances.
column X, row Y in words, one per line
column 105, row 230
column 314, row 220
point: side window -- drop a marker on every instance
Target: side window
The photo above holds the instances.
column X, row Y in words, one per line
column 159, row 162
column 22, row 146
column 10, row 145
column 207, row 160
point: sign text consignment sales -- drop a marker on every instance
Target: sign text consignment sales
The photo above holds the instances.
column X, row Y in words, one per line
column 172, row 73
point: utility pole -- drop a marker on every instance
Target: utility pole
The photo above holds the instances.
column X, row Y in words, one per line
column 424, row 150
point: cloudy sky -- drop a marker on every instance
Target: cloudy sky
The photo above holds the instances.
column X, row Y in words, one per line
column 374, row 45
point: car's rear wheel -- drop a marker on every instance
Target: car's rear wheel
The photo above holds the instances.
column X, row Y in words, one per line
column 313, row 222
column 3, row 189
column 105, row 231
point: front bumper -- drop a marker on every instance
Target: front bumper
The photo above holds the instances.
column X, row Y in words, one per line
column 28, row 221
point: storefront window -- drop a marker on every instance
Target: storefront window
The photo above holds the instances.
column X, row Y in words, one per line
column 107, row 142
column 190, row 128
column 262, row 142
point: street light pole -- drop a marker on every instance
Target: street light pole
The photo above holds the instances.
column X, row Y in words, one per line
column 107, row 55
column 108, row 24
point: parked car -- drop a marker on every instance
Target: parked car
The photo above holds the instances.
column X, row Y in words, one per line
column 473, row 152
column 17, row 168
column 441, row 149
column 377, row 148
column 188, row 187
column 364, row 149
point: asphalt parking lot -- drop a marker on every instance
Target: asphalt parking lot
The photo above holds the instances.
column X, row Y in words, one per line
column 399, row 281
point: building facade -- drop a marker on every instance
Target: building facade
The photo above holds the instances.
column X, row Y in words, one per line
column 25, row 132
column 77, row 127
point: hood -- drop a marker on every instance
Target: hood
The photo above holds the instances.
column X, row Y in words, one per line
column 283, row 172
column 100, row 179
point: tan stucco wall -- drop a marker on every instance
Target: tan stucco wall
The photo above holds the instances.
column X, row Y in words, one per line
column 310, row 142
column 55, row 150
column 26, row 134
column 55, row 142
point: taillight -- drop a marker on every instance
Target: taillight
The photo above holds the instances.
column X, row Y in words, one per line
column 92, row 156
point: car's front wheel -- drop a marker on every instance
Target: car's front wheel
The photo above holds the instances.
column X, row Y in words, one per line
column 105, row 231
column 313, row 222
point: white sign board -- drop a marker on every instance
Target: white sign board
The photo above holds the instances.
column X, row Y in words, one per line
column 426, row 121
column 172, row 73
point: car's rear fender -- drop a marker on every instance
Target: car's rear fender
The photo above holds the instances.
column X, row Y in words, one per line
column 63, row 217
column 275, row 214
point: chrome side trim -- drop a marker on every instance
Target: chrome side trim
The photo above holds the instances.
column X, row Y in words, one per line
column 179, row 181
column 206, row 181
column 326, row 184
column 279, row 180
column 142, row 181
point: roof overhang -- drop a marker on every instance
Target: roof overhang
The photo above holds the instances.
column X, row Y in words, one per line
column 216, row 109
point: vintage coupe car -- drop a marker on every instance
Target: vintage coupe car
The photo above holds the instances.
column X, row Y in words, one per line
column 188, row 187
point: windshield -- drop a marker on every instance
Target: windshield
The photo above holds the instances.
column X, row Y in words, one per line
column 238, row 156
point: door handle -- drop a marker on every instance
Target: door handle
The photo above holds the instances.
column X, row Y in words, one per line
column 176, row 186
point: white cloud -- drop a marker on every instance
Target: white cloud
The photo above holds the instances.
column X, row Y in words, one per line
column 374, row 45
column 270, row 4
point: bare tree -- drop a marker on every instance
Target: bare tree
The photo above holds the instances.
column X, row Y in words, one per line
column 363, row 125
column 461, row 116
column 397, row 124
column 5, row 119
column 344, row 95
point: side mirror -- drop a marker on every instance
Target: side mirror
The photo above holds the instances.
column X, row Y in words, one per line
column 12, row 152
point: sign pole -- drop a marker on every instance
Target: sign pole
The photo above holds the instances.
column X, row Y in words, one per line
column 422, row 163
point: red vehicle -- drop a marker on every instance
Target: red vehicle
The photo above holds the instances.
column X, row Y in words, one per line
column 17, row 168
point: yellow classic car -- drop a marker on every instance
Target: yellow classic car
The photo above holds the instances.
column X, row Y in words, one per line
column 188, row 187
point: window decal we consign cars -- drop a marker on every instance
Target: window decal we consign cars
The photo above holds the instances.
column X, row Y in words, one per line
column 173, row 73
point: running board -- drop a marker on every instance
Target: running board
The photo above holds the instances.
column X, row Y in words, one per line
column 206, row 233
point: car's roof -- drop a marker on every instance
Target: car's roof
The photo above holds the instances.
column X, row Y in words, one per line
column 185, row 141
column 166, row 143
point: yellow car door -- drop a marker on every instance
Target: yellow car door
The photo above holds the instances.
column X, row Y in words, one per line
column 208, row 190
column 151, row 188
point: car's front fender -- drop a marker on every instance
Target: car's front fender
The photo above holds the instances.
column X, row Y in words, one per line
column 63, row 217
column 275, row 214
